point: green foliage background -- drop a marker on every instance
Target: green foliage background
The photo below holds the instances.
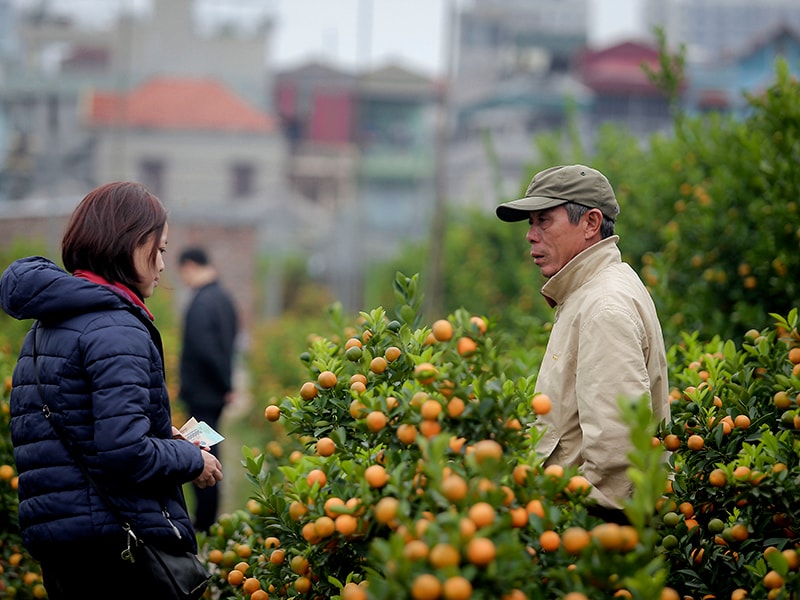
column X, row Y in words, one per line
column 709, row 217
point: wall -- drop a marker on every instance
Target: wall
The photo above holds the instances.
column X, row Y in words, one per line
column 232, row 247
column 197, row 164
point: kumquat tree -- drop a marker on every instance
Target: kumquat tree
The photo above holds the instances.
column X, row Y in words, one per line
column 410, row 471
column 414, row 475
column 20, row 575
column 417, row 477
column 733, row 521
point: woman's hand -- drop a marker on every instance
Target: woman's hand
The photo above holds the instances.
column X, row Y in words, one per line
column 212, row 471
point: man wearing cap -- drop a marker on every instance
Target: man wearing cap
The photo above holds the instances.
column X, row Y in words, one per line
column 606, row 341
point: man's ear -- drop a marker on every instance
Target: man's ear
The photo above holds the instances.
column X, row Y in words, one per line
column 594, row 219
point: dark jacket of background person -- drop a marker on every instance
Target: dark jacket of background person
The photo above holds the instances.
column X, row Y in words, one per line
column 209, row 333
column 101, row 366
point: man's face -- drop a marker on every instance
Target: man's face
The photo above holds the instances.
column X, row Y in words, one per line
column 554, row 240
column 187, row 271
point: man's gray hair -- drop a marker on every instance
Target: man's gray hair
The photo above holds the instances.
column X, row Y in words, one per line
column 576, row 211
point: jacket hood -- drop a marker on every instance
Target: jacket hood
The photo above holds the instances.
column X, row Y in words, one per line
column 37, row 288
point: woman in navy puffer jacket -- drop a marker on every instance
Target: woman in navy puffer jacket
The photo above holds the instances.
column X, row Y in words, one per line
column 100, row 363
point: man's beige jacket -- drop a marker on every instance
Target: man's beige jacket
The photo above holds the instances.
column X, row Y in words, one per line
column 606, row 343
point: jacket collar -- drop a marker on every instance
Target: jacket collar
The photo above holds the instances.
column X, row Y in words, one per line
column 119, row 288
column 581, row 269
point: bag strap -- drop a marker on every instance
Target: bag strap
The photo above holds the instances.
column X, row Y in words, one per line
column 132, row 538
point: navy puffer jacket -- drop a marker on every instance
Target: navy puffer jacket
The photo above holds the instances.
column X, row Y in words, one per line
column 101, row 367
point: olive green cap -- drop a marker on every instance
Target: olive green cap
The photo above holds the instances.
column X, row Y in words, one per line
column 557, row 185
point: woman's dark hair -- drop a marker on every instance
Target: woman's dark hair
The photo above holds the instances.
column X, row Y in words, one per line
column 107, row 226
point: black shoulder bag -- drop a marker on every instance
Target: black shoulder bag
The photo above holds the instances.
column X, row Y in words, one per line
column 169, row 576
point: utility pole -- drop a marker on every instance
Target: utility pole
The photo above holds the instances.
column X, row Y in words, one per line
column 435, row 288
column 364, row 41
column 353, row 242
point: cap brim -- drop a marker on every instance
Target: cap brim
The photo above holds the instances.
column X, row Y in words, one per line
column 520, row 210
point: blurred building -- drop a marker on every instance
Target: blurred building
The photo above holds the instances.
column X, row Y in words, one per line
column 720, row 86
column 56, row 63
column 713, row 29
column 9, row 42
column 339, row 168
column 362, row 140
column 396, row 134
column 192, row 141
column 155, row 98
column 513, row 77
column 523, row 68
column 622, row 92
column 498, row 40
column 730, row 46
column 361, row 145
column 316, row 105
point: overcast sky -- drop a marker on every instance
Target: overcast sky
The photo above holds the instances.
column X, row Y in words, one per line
column 411, row 31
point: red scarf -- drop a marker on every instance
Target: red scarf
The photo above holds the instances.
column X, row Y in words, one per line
column 119, row 288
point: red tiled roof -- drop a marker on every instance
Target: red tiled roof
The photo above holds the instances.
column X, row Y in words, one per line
column 713, row 99
column 630, row 51
column 178, row 104
column 618, row 69
column 87, row 57
column 612, row 76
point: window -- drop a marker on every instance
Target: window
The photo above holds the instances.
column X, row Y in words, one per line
column 151, row 174
column 243, row 177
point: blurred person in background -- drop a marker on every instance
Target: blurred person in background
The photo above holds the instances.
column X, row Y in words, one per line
column 99, row 359
column 210, row 327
